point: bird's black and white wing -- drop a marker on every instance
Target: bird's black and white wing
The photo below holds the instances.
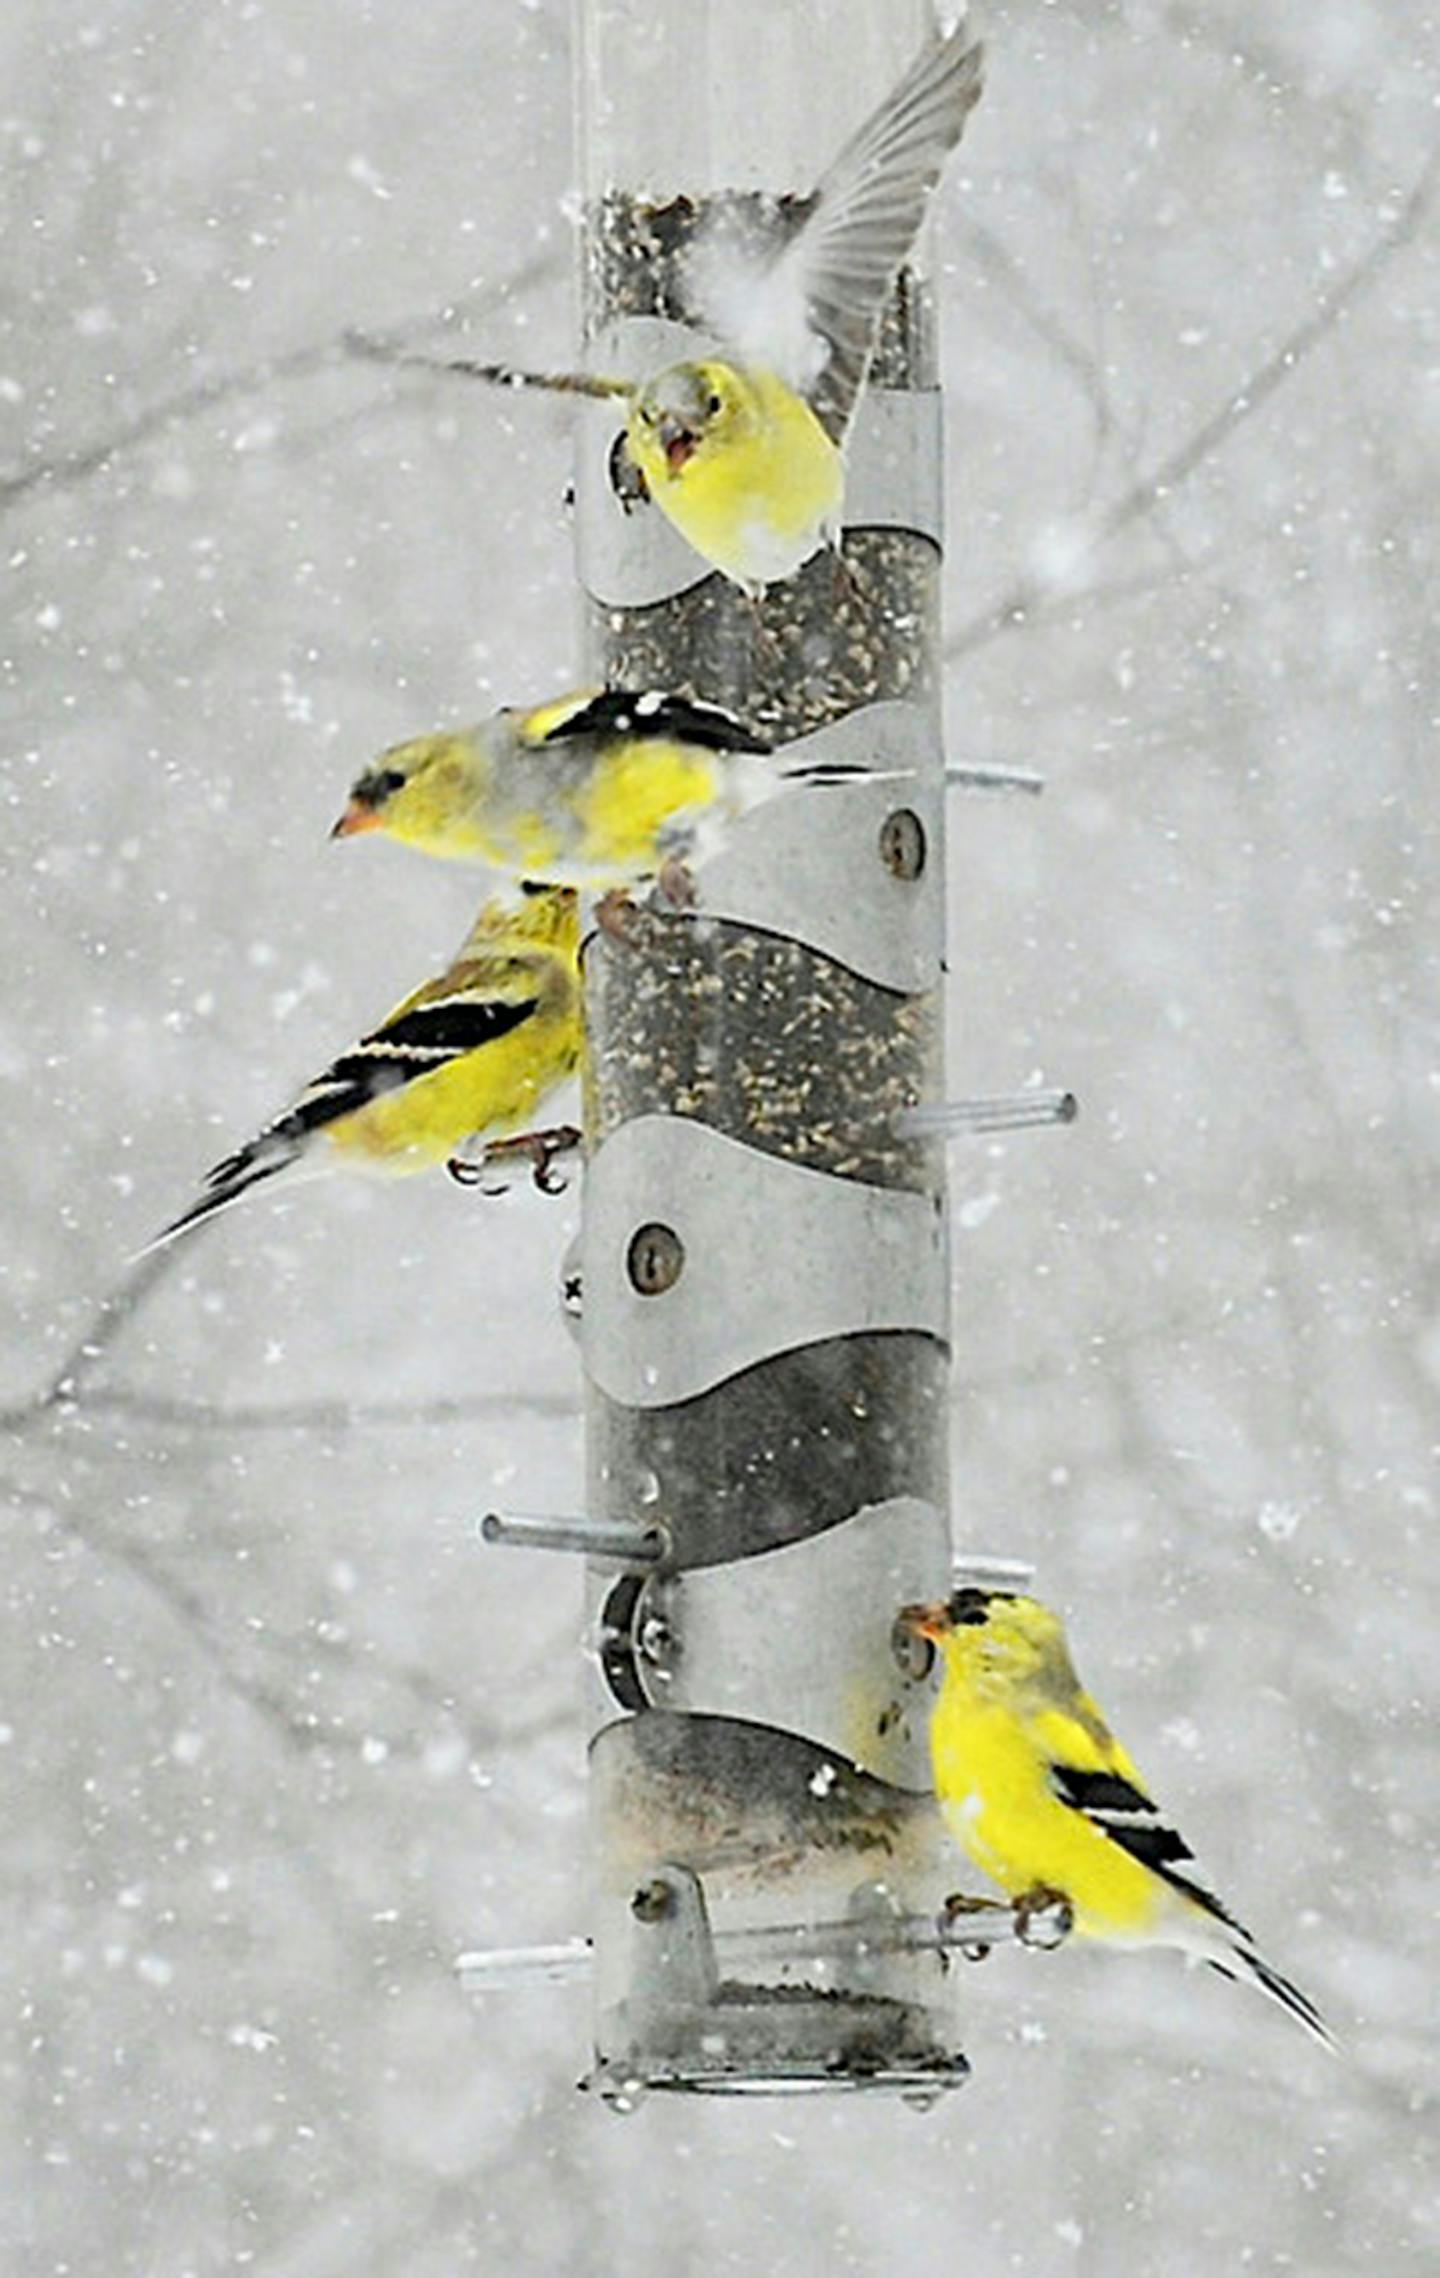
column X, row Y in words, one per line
column 607, row 712
column 422, row 1035
column 1127, row 1815
column 1123, row 1811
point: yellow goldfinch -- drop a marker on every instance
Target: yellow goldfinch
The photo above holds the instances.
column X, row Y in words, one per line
column 475, row 1050
column 599, row 789
column 745, row 453
column 1039, row 1793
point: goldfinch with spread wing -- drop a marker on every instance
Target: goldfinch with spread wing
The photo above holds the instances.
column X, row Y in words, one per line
column 1039, row 1793
column 745, row 453
column 474, row 1051
column 600, row 789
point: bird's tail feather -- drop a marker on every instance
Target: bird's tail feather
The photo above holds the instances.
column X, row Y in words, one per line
column 756, row 777
column 226, row 1184
column 1244, row 1964
column 822, row 771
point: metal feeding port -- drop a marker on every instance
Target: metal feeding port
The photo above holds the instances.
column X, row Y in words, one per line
column 681, row 2025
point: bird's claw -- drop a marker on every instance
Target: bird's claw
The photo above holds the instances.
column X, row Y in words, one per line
column 540, row 1149
column 548, row 1145
column 466, row 1173
column 1044, row 1917
column 952, row 1909
column 675, row 884
column 616, row 916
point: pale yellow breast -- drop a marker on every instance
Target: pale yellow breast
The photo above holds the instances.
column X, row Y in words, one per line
column 756, row 505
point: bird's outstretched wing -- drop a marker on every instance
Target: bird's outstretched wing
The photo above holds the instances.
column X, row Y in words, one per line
column 814, row 313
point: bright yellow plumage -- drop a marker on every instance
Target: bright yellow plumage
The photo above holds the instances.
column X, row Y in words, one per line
column 475, row 1050
column 742, row 467
column 1039, row 1793
column 746, row 455
column 992, row 1778
column 634, row 792
column 596, row 789
column 522, row 960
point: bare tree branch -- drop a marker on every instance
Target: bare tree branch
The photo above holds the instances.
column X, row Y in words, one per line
column 335, row 1415
column 65, row 1388
column 994, row 257
column 297, row 1730
column 70, row 1390
column 75, row 465
column 183, row 1604
column 1033, row 597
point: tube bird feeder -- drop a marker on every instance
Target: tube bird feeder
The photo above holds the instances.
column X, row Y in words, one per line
column 762, row 1263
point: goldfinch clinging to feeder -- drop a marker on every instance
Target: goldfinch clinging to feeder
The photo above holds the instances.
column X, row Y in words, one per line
column 474, row 1051
column 744, row 452
column 600, row 789
column 1039, row 1793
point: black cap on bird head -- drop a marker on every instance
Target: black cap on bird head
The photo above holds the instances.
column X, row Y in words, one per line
column 969, row 1606
column 371, row 792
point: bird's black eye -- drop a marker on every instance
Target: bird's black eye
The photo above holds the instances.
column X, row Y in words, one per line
column 713, row 405
column 380, row 784
column 970, row 1608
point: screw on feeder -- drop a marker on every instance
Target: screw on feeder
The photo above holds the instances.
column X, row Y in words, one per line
column 655, row 1260
column 653, row 1901
column 902, row 843
column 914, row 1655
column 656, row 1640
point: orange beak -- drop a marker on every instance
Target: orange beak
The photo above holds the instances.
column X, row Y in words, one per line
column 927, row 1621
column 357, row 817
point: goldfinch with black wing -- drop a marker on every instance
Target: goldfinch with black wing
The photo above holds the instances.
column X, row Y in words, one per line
column 745, row 451
column 475, row 1050
column 1040, row 1794
column 600, row 789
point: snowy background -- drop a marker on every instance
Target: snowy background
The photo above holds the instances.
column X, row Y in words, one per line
column 278, row 1739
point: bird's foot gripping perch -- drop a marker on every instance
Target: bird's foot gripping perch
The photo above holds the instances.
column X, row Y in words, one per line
column 953, row 1911
column 540, row 1149
column 621, row 918
column 617, row 916
column 1043, row 1917
column 675, row 885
